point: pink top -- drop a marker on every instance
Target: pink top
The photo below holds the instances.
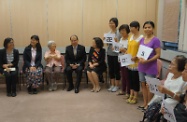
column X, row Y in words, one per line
column 52, row 62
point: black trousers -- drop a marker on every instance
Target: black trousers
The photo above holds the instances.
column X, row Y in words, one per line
column 114, row 67
column 78, row 71
column 11, row 80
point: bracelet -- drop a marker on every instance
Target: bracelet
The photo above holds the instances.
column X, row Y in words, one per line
column 174, row 95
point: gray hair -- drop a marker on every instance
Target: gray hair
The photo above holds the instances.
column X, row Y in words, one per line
column 50, row 43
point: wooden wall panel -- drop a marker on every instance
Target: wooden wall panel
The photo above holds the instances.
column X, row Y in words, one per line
column 139, row 10
column 96, row 15
column 58, row 19
column 65, row 19
column 28, row 18
column 4, row 21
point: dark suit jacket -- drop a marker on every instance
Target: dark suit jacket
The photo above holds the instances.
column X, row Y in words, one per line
column 27, row 57
column 3, row 59
column 101, row 58
column 80, row 58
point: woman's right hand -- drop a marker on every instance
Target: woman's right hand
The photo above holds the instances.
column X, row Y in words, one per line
column 162, row 89
column 133, row 58
column 5, row 66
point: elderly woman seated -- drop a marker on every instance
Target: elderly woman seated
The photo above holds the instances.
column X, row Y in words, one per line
column 53, row 65
column 174, row 81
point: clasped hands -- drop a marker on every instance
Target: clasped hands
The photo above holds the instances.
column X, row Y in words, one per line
column 74, row 66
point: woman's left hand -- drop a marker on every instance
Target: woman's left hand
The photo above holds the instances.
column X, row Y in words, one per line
column 142, row 61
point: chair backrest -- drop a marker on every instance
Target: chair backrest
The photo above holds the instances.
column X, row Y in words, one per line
column 62, row 61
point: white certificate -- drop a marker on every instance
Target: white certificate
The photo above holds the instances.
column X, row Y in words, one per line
column 144, row 52
column 125, row 60
column 153, row 85
column 11, row 69
column 117, row 46
column 168, row 112
column 109, row 38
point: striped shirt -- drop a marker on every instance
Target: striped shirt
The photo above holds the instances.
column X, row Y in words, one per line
column 10, row 57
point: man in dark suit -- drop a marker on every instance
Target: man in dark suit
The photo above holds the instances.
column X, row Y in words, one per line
column 75, row 60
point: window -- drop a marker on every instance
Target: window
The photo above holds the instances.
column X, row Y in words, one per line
column 169, row 23
column 183, row 27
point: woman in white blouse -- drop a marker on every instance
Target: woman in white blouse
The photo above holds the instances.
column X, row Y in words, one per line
column 174, row 81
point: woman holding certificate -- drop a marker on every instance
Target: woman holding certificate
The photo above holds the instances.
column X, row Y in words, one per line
column 112, row 57
column 124, row 31
column 149, row 52
column 9, row 59
column 133, row 45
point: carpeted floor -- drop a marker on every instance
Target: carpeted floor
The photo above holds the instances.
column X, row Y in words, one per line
column 63, row 106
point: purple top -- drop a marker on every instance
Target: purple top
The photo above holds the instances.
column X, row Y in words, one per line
column 151, row 67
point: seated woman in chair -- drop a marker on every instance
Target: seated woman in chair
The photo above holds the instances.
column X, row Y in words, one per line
column 181, row 108
column 96, row 64
column 174, row 81
column 53, row 66
column 33, row 68
column 9, row 59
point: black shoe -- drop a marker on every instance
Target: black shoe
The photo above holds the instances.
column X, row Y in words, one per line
column 70, row 88
column 29, row 89
column 14, row 94
column 77, row 90
column 35, row 91
column 9, row 94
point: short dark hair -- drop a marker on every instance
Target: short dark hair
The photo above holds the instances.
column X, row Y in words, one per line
column 126, row 27
column 181, row 62
column 38, row 45
column 98, row 42
column 74, row 36
column 115, row 20
column 149, row 22
column 135, row 24
column 6, row 41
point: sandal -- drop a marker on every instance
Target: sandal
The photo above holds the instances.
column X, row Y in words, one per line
column 127, row 96
column 92, row 90
column 140, row 107
column 98, row 89
column 120, row 93
column 129, row 100
column 133, row 101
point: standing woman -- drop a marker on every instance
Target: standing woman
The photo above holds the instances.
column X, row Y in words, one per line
column 112, row 57
column 148, row 67
column 124, row 31
column 32, row 56
column 97, row 63
column 133, row 45
column 9, row 58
